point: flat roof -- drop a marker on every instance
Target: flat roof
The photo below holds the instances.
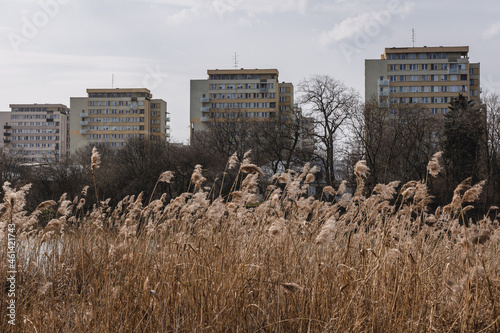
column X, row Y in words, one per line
column 113, row 90
column 243, row 71
column 459, row 49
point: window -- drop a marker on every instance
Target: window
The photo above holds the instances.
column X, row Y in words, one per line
column 393, row 67
column 444, row 77
column 414, row 100
column 393, row 78
column 393, row 89
column 402, row 78
column 240, row 86
column 412, row 56
column 425, row 67
column 453, row 77
column 221, row 86
column 432, row 55
column 434, row 111
column 402, row 56
column 414, row 89
column 414, row 67
column 442, row 55
column 222, row 96
column 444, row 66
column 424, row 78
column 413, row 77
column 394, row 112
column 283, row 89
column 425, row 99
column 444, row 110
column 444, row 88
column 394, row 100
column 402, row 67
column 283, row 99
column 434, row 67
column 392, row 56
column 422, row 56
column 232, row 96
column 230, row 86
column 454, row 88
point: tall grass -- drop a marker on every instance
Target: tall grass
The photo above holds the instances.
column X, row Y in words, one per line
column 376, row 262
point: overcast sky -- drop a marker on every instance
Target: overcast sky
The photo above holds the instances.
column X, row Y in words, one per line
column 52, row 50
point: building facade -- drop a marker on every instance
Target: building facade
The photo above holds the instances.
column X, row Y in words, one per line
column 6, row 125
column 110, row 117
column 37, row 132
column 430, row 76
column 254, row 95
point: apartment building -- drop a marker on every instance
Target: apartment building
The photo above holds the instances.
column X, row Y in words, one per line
column 37, row 132
column 234, row 94
column 430, row 76
column 5, row 123
column 110, row 117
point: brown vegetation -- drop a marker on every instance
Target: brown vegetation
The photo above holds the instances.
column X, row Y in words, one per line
column 379, row 262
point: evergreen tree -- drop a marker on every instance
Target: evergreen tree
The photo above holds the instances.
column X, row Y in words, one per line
column 464, row 135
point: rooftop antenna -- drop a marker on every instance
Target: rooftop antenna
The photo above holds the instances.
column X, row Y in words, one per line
column 235, row 60
column 413, row 38
column 112, row 80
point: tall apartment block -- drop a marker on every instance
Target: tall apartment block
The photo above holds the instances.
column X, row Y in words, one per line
column 430, row 76
column 252, row 94
column 6, row 125
column 110, row 117
column 37, row 132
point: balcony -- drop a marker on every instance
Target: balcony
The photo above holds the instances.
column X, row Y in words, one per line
column 204, row 100
column 6, row 140
column 84, row 122
column 50, row 119
column 6, row 134
column 204, row 109
column 263, row 90
column 205, row 118
column 84, row 114
column 383, row 82
column 167, row 127
column 7, row 127
column 452, row 70
column 84, row 131
column 167, row 119
column 383, row 93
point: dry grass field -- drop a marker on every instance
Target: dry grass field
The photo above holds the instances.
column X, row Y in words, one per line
column 367, row 262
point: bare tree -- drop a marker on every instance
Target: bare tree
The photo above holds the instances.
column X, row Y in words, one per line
column 491, row 102
column 331, row 104
column 398, row 142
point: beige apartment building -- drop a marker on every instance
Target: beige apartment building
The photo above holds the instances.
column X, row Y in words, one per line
column 110, row 117
column 5, row 124
column 230, row 94
column 37, row 132
column 430, row 76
